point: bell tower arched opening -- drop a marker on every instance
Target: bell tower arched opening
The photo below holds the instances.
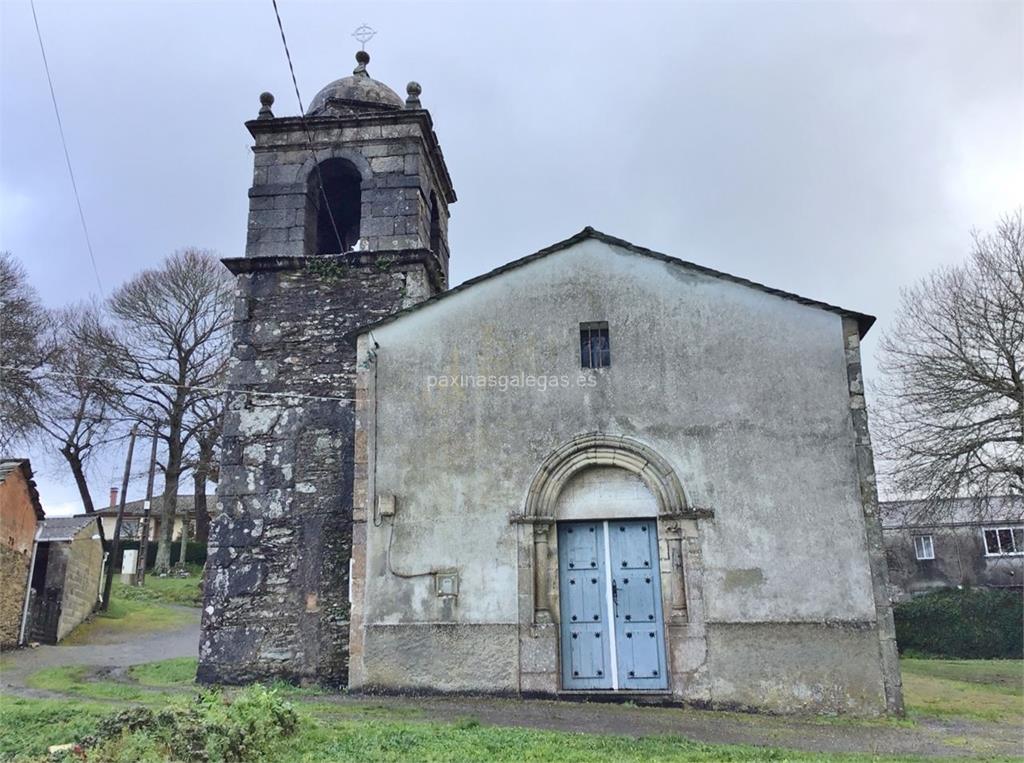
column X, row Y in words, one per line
column 335, row 200
column 435, row 226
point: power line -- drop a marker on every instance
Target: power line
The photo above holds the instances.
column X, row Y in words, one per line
column 64, row 143
column 167, row 385
column 305, row 127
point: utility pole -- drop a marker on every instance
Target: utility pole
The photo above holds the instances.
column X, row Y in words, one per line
column 140, row 566
column 184, row 544
column 116, row 547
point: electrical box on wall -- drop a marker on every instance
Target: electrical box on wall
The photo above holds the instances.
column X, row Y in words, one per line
column 446, row 582
column 386, row 505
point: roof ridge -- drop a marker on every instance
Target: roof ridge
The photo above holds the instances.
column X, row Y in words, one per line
column 864, row 321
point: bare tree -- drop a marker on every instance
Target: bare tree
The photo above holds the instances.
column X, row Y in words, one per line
column 950, row 418
column 168, row 342
column 22, row 351
column 203, row 459
column 74, row 408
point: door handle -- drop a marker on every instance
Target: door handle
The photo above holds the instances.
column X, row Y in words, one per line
column 615, row 595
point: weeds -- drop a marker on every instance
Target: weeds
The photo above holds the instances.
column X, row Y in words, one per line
column 209, row 728
column 326, row 269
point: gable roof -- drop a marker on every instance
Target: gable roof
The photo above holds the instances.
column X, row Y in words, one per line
column 864, row 321
column 64, row 528
column 9, row 465
column 184, row 504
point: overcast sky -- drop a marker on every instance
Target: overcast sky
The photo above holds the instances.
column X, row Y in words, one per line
column 837, row 150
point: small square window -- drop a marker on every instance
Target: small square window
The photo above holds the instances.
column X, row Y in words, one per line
column 924, row 547
column 595, row 350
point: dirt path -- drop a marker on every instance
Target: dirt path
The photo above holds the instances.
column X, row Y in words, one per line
column 108, row 651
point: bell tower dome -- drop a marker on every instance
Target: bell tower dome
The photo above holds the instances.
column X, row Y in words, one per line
column 348, row 223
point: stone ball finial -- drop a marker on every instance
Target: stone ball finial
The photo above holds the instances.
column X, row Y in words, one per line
column 362, row 59
column 414, row 90
column 266, row 101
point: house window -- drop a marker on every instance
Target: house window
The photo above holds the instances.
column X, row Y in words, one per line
column 595, row 351
column 924, row 547
column 1004, row 541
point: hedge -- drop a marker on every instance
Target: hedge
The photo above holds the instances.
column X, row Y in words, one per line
column 195, row 553
column 973, row 623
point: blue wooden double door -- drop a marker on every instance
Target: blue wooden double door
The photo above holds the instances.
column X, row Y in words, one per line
column 612, row 629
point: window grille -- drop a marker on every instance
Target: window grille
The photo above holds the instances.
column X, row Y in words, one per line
column 595, row 350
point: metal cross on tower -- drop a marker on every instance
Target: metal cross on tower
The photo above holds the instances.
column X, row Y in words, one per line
column 364, row 33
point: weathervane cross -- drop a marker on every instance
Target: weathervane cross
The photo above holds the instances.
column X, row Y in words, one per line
column 364, row 33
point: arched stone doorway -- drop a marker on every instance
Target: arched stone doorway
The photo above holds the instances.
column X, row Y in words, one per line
column 607, row 477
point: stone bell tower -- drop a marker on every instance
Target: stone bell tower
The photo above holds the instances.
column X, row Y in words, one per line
column 348, row 223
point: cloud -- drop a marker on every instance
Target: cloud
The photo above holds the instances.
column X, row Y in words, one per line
column 65, row 509
column 15, row 206
column 838, row 150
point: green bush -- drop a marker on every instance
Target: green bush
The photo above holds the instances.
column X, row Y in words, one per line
column 973, row 623
column 208, row 728
column 195, row 553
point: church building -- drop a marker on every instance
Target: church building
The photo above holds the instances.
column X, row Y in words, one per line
column 596, row 470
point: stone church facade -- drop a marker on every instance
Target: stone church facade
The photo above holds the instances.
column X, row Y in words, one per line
column 598, row 469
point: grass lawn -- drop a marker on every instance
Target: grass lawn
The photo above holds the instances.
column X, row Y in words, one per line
column 179, row 672
column 167, row 590
column 996, row 675
column 973, row 689
column 991, row 690
column 29, row 726
column 127, row 616
column 332, row 733
column 467, row 740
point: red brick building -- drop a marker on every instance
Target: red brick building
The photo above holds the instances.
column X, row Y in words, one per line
column 20, row 513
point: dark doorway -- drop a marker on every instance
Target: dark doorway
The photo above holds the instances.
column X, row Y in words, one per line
column 45, row 603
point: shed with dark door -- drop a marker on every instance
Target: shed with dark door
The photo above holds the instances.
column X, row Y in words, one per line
column 67, row 568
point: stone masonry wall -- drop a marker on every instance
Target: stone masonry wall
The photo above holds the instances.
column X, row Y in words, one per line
column 276, row 594
column 399, row 179
column 13, row 579
column 276, row 590
column 84, row 564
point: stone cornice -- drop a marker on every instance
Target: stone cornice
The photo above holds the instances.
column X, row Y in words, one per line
column 363, row 260
column 421, row 117
column 691, row 513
